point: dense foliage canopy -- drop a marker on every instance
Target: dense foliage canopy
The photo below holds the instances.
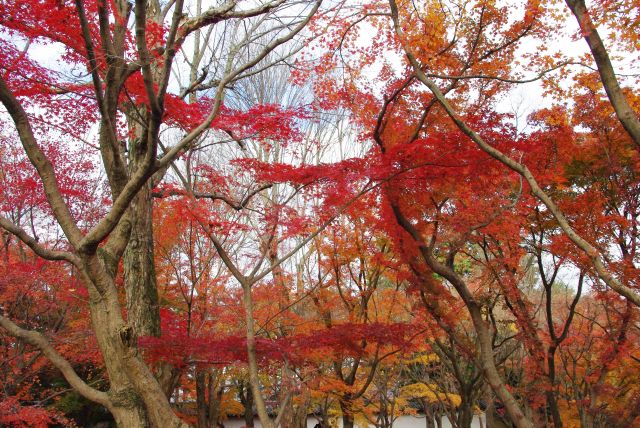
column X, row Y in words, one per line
column 355, row 210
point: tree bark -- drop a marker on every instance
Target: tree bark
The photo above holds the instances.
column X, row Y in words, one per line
column 490, row 410
column 139, row 266
column 465, row 414
column 143, row 312
column 201, row 399
column 552, row 400
column 347, row 414
column 429, row 415
column 246, row 398
column 137, row 396
column 252, row 360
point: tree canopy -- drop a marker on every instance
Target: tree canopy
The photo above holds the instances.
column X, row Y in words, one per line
column 356, row 210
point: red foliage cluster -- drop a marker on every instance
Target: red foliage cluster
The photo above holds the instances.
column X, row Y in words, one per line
column 346, row 339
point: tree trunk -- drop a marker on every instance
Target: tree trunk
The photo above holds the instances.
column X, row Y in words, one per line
column 301, row 413
column 139, row 271
column 208, row 397
column 140, row 283
column 201, row 402
column 465, row 415
column 138, row 400
column 430, row 420
column 252, row 360
column 216, row 389
column 490, row 410
column 288, row 413
column 139, row 267
column 347, row 414
column 130, row 417
column 129, row 410
column 246, row 398
column 552, row 403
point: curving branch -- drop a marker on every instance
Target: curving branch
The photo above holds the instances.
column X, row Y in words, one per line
column 538, row 76
column 41, row 251
column 89, row 243
column 236, row 205
column 625, row 113
column 36, row 339
column 224, row 12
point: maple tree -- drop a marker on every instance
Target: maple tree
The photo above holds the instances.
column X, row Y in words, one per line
column 228, row 208
column 128, row 53
column 469, row 51
column 363, row 288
